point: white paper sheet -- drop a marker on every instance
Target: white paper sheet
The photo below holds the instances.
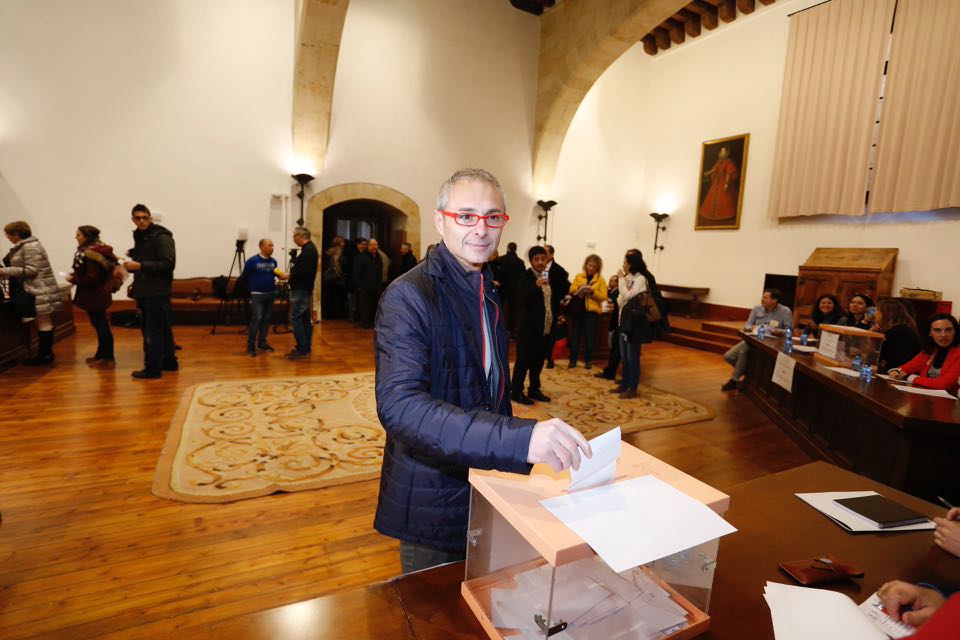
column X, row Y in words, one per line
column 801, row 613
column 602, row 467
column 824, row 503
column 891, row 379
column 637, row 521
column 783, row 371
column 936, row 393
column 850, row 373
column 828, row 344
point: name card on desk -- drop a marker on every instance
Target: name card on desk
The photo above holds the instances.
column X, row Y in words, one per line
column 783, row 371
column 828, row 344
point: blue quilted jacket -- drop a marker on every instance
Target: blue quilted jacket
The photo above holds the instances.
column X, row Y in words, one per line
column 433, row 398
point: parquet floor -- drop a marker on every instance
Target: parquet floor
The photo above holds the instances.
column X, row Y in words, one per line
column 86, row 550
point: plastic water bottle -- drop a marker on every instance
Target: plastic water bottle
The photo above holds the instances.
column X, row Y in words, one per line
column 762, row 331
column 856, row 363
column 803, row 338
column 788, row 340
column 866, row 373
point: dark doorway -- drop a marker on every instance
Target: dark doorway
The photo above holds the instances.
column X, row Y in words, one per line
column 352, row 220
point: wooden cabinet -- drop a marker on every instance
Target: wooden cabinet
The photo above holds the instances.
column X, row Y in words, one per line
column 843, row 272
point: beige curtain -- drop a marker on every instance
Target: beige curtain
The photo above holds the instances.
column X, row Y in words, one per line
column 918, row 152
column 831, row 86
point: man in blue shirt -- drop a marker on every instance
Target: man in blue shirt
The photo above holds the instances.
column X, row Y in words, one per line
column 771, row 313
column 259, row 275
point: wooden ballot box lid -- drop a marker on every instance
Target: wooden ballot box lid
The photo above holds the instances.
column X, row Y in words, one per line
column 851, row 331
column 517, row 498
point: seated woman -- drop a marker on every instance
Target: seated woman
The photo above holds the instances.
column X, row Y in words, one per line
column 938, row 365
column 827, row 310
column 860, row 311
column 900, row 342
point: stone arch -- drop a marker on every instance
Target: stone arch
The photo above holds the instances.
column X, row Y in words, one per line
column 365, row 191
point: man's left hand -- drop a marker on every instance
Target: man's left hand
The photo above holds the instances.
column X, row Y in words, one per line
column 132, row 265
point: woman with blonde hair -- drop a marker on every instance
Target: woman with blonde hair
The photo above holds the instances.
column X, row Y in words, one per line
column 587, row 292
column 900, row 341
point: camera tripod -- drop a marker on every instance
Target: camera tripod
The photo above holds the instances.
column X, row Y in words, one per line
column 229, row 303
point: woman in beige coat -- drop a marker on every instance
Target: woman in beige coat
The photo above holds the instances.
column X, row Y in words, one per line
column 27, row 262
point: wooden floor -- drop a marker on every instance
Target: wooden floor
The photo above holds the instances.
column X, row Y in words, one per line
column 86, row 550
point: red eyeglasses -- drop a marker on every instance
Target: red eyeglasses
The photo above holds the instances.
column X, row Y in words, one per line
column 466, row 219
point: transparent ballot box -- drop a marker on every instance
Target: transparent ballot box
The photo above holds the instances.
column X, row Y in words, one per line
column 839, row 345
column 530, row 576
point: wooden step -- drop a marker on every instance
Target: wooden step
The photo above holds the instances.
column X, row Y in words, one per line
column 726, row 328
column 721, row 338
column 696, row 343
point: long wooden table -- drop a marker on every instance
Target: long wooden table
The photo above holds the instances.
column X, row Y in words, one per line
column 773, row 525
column 908, row 441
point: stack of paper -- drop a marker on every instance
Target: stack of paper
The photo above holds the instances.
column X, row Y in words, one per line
column 824, row 503
column 592, row 600
column 801, row 613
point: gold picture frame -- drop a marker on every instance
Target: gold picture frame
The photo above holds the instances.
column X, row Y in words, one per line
column 722, row 179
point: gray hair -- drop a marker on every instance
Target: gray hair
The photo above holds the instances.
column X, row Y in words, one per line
column 472, row 174
column 303, row 232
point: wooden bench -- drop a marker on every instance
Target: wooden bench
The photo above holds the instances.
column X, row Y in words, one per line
column 693, row 292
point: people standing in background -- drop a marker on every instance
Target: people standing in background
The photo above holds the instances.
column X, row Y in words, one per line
column 153, row 259
column 29, row 267
column 384, row 270
column 512, row 268
column 368, row 274
column 826, row 310
column 534, row 324
column 302, row 277
column 860, row 311
column 590, row 287
column 635, row 329
column 613, row 335
column 358, row 249
column 407, row 261
column 334, row 280
column 259, row 273
column 938, row 365
column 93, row 266
column 559, row 285
column 900, row 342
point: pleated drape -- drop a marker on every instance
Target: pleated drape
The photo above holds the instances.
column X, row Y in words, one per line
column 831, row 85
column 918, row 151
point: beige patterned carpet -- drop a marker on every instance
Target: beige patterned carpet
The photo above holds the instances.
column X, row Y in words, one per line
column 247, row 438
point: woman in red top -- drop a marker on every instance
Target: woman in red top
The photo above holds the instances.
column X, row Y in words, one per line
column 938, row 365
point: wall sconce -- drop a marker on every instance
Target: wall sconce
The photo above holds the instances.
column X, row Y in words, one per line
column 303, row 179
column 658, row 219
column 545, row 216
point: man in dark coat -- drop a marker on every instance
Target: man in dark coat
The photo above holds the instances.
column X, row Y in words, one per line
column 512, row 268
column 442, row 371
column 368, row 275
column 407, row 261
column 560, row 286
column 302, row 277
column 153, row 259
column 536, row 319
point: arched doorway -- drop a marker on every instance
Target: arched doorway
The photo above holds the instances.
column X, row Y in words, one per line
column 362, row 209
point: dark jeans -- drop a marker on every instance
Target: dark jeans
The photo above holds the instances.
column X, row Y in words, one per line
column 104, row 336
column 630, row 354
column 157, row 329
column 260, row 307
column 531, row 352
column 610, row 371
column 300, row 319
column 367, row 307
column 414, row 557
column 583, row 326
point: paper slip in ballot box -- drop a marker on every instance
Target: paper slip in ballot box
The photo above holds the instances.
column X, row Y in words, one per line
column 839, row 345
column 528, row 575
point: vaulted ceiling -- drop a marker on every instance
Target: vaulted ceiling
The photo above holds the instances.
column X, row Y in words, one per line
column 688, row 21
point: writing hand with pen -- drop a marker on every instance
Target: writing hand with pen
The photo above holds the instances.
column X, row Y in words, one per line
column 909, row 603
column 947, row 534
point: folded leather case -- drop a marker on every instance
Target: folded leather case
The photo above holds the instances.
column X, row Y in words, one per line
column 820, row 570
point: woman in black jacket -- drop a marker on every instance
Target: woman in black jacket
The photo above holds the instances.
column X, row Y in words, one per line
column 901, row 341
column 826, row 310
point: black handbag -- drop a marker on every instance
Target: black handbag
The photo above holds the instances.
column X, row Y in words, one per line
column 24, row 303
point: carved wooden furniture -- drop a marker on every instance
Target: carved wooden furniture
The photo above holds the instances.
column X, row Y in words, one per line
column 843, row 272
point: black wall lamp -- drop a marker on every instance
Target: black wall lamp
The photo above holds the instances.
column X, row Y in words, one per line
column 303, row 179
column 658, row 218
column 545, row 216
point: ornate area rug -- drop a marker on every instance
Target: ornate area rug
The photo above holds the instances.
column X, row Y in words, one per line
column 585, row 402
column 248, row 438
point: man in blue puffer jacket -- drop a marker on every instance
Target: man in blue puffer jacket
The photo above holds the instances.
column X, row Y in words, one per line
column 442, row 382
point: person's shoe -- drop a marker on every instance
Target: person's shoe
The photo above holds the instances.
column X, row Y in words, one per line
column 143, row 374
column 170, row 366
column 92, row 359
column 537, row 395
column 39, row 360
column 572, row 365
column 252, row 353
column 629, row 393
column 519, row 398
column 603, row 375
column 618, row 389
column 297, row 355
column 266, row 347
column 730, row 385
column 549, row 364
column 588, row 365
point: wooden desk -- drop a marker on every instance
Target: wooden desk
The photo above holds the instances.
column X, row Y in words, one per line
column 907, row 441
column 773, row 525
column 16, row 337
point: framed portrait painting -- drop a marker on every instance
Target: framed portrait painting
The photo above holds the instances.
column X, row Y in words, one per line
column 723, row 168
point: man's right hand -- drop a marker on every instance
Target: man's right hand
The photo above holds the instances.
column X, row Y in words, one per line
column 557, row 444
column 908, row 602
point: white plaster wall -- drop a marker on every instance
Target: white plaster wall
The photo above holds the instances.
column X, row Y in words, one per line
column 426, row 87
column 183, row 105
column 634, row 147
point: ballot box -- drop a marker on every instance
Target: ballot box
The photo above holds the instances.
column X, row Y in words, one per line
column 840, row 345
column 529, row 575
